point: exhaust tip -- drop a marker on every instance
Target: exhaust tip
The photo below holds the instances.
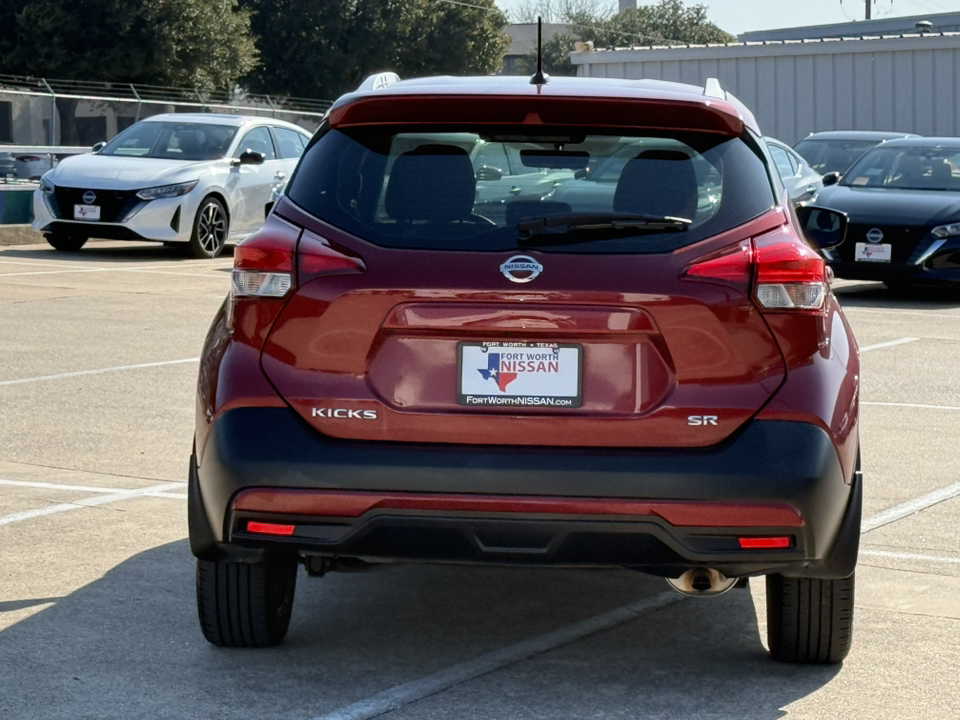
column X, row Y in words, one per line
column 702, row 582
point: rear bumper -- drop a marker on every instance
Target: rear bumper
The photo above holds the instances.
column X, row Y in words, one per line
column 660, row 512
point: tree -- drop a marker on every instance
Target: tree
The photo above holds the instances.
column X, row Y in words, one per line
column 323, row 48
column 668, row 22
column 200, row 43
column 555, row 11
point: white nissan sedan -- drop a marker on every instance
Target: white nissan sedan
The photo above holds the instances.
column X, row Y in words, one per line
column 199, row 179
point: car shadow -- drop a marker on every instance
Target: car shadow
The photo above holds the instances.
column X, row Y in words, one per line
column 128, row 645
column 110, row 251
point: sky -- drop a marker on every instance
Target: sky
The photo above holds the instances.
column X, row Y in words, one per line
column 737, row 16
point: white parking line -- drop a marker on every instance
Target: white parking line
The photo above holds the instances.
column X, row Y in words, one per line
column 99, row 371
column 892, row 311
column 912, row 405
column 415, row 690
column 889, row 343
column 112, row 269
column 80, row 265
column 54, row 272
column 83, row 488
column 898, row 512
column 89, row 502
column 922, row 557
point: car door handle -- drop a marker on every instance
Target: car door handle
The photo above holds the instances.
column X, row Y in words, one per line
column 515, row 190
column 811, row 188
column 280, row 175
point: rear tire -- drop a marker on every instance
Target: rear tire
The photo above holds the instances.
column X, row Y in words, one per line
column 210, row 229
column 65, row 243
column 808, row 620
column 246, row 604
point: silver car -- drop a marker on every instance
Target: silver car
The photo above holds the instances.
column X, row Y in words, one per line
column 197, row 179
column 802, row 182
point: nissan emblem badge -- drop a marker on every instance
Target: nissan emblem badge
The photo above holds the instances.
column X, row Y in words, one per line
column 521, row 269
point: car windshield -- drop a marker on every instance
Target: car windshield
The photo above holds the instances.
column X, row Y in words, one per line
column 483, row 189
column 172, row 141
column 827, row 156
column 907, row 168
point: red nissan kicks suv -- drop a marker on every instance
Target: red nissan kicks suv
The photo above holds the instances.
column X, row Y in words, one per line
column 571, row 323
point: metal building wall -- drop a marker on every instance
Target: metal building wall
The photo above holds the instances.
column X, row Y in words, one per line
column 907, row 84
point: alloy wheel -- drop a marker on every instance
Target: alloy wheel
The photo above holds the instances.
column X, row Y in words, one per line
column 212, row 228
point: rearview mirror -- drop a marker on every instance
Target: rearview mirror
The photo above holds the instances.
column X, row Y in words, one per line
column 831, row 178
column 555, row 159
column 823, row 228
column 489, row 173
column 99, row 146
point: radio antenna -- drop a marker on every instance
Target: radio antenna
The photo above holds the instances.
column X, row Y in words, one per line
column 540, row 78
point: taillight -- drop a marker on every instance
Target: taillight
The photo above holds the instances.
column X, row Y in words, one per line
column 268, row 265
column 732, row 264
column 789, row 274
column 317, row 256
column 263, row 263
column 262, row 274
column 786, row 273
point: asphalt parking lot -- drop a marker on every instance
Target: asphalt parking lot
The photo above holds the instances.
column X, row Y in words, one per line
column 98, row 361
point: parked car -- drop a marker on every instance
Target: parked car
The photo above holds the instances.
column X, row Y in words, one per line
column 24, row 166
column 197, row 179
column 835, row 151
column 33, row 166
column 667, row 385
column 903, row 200
column 803, row 183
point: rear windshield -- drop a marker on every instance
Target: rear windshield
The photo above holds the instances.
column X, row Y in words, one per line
column 907, row 168
column 827, row 156
column 470, row 190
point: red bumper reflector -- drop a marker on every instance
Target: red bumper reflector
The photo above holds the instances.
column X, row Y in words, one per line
column 760, row 543
column 265, row 528
column 345, row 503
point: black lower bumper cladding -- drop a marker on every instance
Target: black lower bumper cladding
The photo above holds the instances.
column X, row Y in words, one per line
column 778, row 479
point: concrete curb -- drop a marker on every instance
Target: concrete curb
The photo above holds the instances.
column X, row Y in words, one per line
column 19, row 235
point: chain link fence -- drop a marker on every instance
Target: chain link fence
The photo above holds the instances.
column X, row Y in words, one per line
column 40, row 111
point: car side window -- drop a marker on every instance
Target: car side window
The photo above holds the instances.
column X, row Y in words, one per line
column 289, row 142
column 796, row 161
column 491, row 155
column 782, row 160
column 257, row 140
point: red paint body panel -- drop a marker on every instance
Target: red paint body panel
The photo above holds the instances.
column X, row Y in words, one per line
column 656, row 348
column 330, row 503
column 698, row 115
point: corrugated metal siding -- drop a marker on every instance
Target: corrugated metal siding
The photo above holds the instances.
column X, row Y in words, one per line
column 905, row 84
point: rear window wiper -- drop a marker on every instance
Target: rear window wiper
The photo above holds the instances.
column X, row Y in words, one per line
column 567, row 229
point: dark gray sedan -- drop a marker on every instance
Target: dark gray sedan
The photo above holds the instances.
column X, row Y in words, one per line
column 903, row 201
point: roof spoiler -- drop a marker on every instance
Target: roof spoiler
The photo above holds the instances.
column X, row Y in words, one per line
column 380, row 80
column 712, row 88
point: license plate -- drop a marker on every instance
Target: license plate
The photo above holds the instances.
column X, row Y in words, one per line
column 86, row 212
column 507, row 375
column 870, row 252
